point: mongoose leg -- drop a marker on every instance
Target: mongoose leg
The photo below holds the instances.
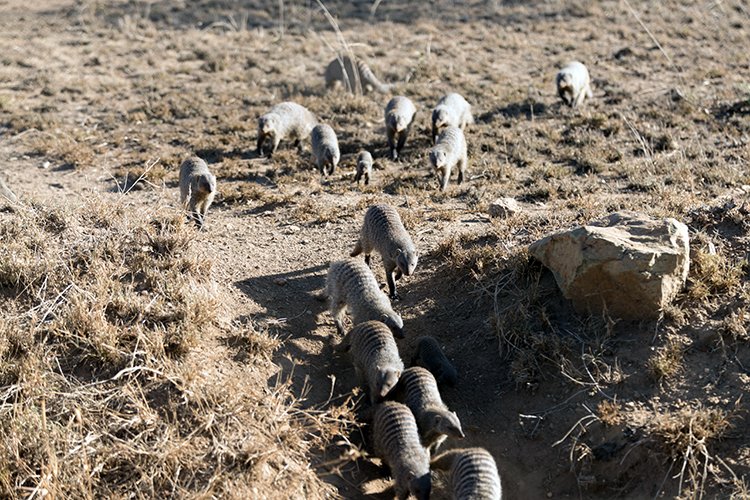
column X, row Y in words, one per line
column 392, row 146
column 401, row 141
column 434, row 134
column 444, row 181
column 461, row 169
column 259, row 149
column 391, row 284
column 333, row 168
column 367, row 259
column 367, row 180
column 276, row 141
column 398, row 274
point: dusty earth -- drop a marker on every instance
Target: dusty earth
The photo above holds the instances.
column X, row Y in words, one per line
column 94, row 95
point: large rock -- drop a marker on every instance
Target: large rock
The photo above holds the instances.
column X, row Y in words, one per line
column 629, row 263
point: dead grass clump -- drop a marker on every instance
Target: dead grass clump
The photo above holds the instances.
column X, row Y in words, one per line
column 667, row 361
column 713, row 273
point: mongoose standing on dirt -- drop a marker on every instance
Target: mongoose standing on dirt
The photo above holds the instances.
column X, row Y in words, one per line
column 419, row 391
column 285, row 120
column 574, row 84
column 430, row 356
column 383, row 231
column 325, row 148
column 399, row 115
column 453, row 110
column 449, row 150
column 473, row 473
column 364, row 167
column 354, row 76
column 350, row 284
column 375, row 356
column 397, row 443
column 197, row 188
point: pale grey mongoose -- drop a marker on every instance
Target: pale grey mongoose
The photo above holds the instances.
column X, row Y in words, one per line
column 449, row 150
column 418, row 390
column 375, row 356
column 473, row 473
column 429, row 355
column 364, row 167
column 451, row 109
column 197, row 188
column 397, row 443
column 354, row 77
column 574, row 84
column 399, row 115
column 325, row 148
column 384, row 232
column 351, row 284
column 287, row 120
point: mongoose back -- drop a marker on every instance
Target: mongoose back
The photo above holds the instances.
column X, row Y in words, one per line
column 430, row 356
column 325, row 148
column 351, row 284
column 449, row 150
column 355, row 76
column 375, row 356
column 574, row 84
column 384, row 232
column 399, row 115
column 197, row 188
column 364, row 167
column 453, row 110
column 285, row 120
column 473, row 473
column 397, row 443
column 419, row 391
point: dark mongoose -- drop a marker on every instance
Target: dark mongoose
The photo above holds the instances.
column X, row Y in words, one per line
column 397, row 443
column 197, row 188
column 399, row 115
column 356, row 78
column 430, row 356
column 375, row 356
column 325, row 148
column 473, row 473
column 364, row 167
column 285, row 120
column 449, row 150
column 351, row 284
column 453, row 110
column 574, row 84
column 384, row 232
column 418, row 390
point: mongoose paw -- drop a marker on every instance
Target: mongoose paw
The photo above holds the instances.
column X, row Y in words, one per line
column 395, row 296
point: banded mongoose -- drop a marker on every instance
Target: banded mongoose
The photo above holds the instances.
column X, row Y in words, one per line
column 574, row 84
column 399, row 115
column 430, row 356
column 449, row 150
column 285, row 120
column 452, row 109
column 473, row 473
column 418, row 390
column 364, row 167
column 351, row 284
column 325, row 148
column 197, row 188
column 356, row 78
column 375, row 356
column 384, row 232
column 397, row 443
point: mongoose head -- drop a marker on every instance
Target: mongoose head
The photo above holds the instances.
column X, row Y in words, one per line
column 406, row 261
column 397, row 122
column 439, row 117
column 447, row 423
column 206, row 183
column 268, row 124
column 420, row 486
column 387, row 380
column 395, row 323
column 565, row 88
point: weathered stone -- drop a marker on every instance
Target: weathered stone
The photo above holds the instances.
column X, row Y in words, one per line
column 503, row 207
column 630, row 264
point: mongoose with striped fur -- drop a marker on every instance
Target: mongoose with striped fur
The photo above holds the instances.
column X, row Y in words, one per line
column 325, row 147
column 449, row 151
column 574, row 84
column 399, row 115
column 418, row 390
column 451, row 109
column 430, row 356
column 473, row 473
column 364, row 167
column 285, row 120
column 396, row 440
column 356, row 78
column 351, row 284
column 197, row 188
column 384, row 232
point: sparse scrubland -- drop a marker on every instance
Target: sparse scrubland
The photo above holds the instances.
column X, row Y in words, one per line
column 142, row 357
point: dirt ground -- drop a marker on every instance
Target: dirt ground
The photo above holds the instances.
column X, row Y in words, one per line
column 94, row 95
